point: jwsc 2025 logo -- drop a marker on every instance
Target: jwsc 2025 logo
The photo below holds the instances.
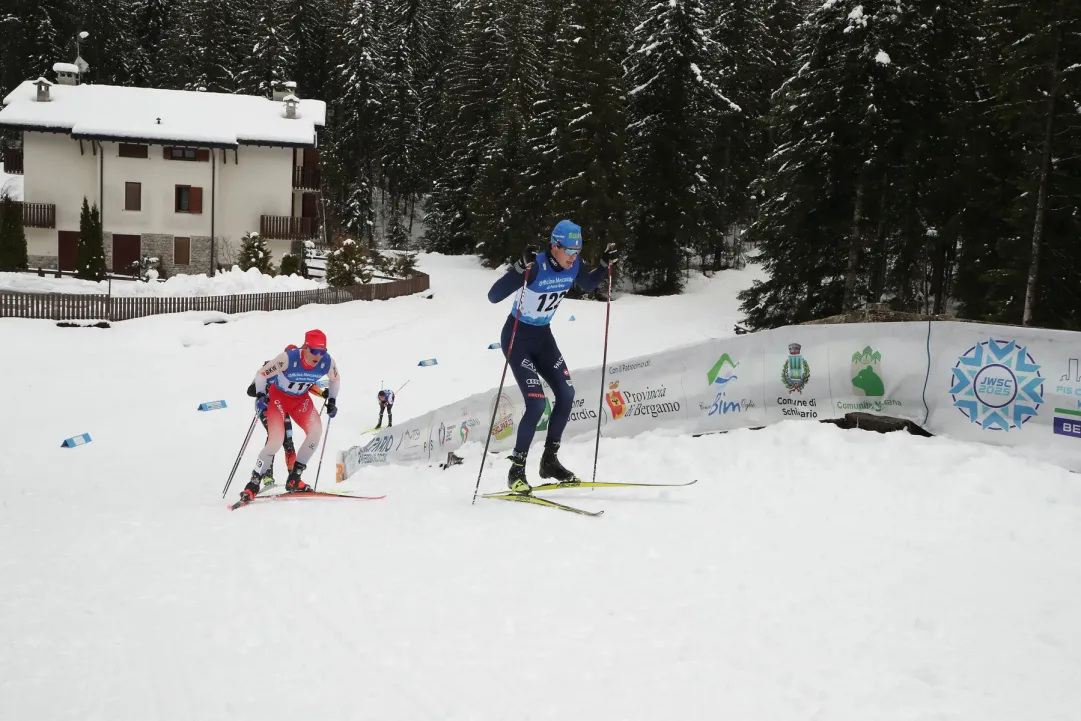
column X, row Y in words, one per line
column 997, row 385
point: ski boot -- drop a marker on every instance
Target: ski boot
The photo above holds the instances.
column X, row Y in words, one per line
column 268, row 477
column 516, row 480
column 294, row 484
column 550, row 467
column 290, row 457
column 252, row 489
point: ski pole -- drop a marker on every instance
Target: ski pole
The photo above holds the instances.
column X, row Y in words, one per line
column 604, row 367
column 502, row 378
column 240, row 455
column 322, row 452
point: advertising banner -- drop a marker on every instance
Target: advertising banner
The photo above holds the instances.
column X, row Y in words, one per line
column 975, row 382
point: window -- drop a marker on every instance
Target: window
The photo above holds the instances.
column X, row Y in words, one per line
column 133, row 196
column 181, row 251
column 130, row 150
column 188, row 199
column 201, row 155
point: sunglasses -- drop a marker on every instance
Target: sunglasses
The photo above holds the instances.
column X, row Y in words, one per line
column 569, row 251
column 317, row 351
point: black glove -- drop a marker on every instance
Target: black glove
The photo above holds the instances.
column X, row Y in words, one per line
column 332, row 407
column 251, row 390
column 610, row 255
column 529, row 255
column 325, row 393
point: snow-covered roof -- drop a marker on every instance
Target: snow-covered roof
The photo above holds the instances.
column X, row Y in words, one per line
column 109, row 112
column 65, row 68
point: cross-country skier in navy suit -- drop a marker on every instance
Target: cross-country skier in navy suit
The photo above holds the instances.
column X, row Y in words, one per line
column 549, row 275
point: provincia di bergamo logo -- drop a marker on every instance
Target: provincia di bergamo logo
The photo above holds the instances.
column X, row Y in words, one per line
column 997, row 385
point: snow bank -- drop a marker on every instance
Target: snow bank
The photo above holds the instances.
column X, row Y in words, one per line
column 231, row 282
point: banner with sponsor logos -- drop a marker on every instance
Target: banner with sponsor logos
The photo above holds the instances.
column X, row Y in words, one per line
column 1008, row 386
column 994, row 384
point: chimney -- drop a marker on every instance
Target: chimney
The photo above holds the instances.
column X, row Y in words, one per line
column 66, row 73
column 43, row 86
column 291, row 103
column 283, row 89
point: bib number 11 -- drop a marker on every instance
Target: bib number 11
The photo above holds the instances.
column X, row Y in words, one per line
column 552, row 299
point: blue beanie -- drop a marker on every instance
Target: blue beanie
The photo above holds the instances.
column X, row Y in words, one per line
column 567, row 235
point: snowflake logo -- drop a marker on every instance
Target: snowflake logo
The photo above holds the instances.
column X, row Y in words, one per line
column 997, row 385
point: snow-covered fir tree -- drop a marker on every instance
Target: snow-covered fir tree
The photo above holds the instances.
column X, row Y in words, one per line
column 254, row 253
column 675, row 114
column 500, row 204
column 358, row 117
column 349, row 264
column 268, row 63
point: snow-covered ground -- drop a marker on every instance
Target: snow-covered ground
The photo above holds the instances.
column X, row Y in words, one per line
column 11, row 184
column 229, row 282
column 812, row 573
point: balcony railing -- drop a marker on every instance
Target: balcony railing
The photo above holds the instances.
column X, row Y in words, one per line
column 39, row 215
column 305, row 177
column 281, row 227
column 13, row 161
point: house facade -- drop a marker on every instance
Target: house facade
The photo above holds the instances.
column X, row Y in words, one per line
column 177, row 175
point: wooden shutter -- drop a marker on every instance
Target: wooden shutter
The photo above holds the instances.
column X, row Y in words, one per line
column 167, row 152
column 195, row 205
column 202, row 155
column 181, row 251
column 311, row 157
column 133, row 196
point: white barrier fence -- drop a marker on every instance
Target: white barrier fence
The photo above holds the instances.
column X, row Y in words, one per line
column 992, row 384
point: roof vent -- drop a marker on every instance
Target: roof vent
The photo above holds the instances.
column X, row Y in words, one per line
column 43, row 86
column 66, row 73
column 291, row 103
column 283, row 89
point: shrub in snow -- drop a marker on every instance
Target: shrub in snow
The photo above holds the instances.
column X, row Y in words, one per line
column 349, row 264
column 403, row 266
column 12, row 237
column 290, row 265
column 148, row 269
column 90, row 254
column 255, row 254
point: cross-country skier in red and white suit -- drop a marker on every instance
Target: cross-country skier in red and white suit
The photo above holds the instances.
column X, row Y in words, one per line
column 281, row 388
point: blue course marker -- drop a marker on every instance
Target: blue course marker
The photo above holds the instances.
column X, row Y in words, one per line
column 571, row 318
column 80, row 440
column 493, row 346
column 429, row 362
column 212, row 405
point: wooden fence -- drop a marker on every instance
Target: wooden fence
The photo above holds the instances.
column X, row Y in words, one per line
column 66, row 306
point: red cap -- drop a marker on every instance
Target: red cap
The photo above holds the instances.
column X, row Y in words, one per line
column 290, row 347
column 315, row 339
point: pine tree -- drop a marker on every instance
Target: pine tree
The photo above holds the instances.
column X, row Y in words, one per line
column 271, row 58
column 12, row 238
column 839, row 133
column 587, row 121
column 675, row 113
column 308, row 25
column 90, row 253
column 500, row 204
column 472, row 109
column 348, row 264
column 111, row 49
column 35, row 34
column 155, row 21
column 254, row 253
column 406, row 38
column 358, row 117
column 1037, row 90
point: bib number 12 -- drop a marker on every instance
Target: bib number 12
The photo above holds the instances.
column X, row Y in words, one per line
column 552, row 299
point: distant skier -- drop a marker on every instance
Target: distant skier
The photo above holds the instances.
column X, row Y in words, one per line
column 386, row 402
column 289, row 377
column 290, row 450
column 548, row 277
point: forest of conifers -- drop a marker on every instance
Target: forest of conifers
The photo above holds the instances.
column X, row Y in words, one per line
column 922, row 154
